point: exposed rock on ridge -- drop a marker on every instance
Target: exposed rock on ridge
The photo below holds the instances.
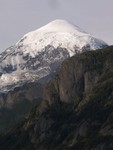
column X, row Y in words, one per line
column 37, row 57
column 39, row 53
column 77, row 109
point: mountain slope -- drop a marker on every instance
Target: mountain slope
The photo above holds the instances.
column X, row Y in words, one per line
column 77, row 109
column 59, row 33
column 36, row 58
column 39, row 53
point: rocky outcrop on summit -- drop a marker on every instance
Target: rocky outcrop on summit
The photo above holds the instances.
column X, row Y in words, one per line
column 77, row 109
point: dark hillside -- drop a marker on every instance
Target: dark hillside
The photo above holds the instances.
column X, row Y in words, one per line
column 77, row 110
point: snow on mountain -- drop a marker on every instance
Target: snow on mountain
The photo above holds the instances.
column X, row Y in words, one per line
column 39, row 53
column 58, row 33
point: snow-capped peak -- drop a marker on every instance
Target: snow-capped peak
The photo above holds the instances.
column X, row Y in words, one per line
column 59, row 26
column 58, row 33
column 39, row 53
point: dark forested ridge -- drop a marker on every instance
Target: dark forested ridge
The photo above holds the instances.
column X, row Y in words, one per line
column 77, row 110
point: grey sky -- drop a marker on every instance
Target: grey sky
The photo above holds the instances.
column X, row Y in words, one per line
column 18, row 17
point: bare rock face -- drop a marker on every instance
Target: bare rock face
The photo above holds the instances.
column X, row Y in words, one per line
column 35, row 59
column 17, row 102
column 77, row 77
column 77, row 110
column 79, row 103
column 39, row 53
column 28, row 91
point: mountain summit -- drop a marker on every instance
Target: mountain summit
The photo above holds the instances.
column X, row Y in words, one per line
column 59, row 33
column 29, row 64
column 39, row 53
